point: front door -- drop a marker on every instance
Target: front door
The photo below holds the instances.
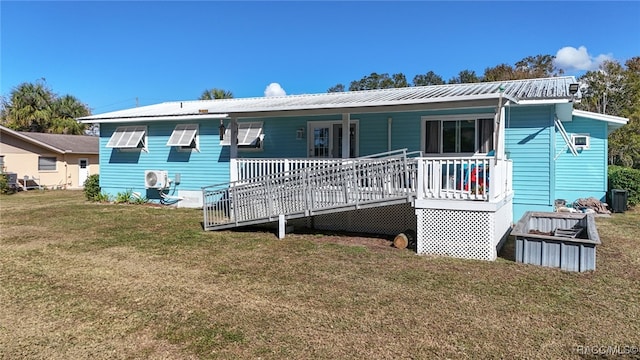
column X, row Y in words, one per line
column 325, row 140
column 83, row 171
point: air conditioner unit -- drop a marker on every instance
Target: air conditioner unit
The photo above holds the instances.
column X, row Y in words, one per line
column 156, row 179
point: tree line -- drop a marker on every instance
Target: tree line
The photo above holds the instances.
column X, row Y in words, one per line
column 613, row 89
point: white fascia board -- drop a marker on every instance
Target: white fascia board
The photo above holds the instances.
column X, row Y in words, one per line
column 602, row 117
column 543, row 102
column 152, row 118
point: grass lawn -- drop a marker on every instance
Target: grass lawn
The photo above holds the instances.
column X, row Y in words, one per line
column 83, row 280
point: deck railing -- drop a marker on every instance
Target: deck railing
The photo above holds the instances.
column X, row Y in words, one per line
column 267, row 188
column 466, row 178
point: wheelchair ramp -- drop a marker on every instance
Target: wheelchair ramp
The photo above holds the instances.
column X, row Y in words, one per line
column 343, row 185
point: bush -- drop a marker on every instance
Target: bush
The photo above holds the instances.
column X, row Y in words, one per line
column 124, row 197
column 4, row 185
column 625, row 178
column 92, row 187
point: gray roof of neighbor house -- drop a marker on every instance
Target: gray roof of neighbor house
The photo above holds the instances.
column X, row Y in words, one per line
column 517, row 91
column 79, row 144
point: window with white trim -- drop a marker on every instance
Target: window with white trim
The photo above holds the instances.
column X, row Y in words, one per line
column 580, row 141
column 185, row 137
column 129, row 137
column 250, row 135
column 458, row 134
column 47, row 163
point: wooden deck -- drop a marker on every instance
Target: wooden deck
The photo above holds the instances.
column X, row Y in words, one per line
column 294, row 188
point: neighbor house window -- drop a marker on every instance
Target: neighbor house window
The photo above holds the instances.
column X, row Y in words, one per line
column 46, row 163
column 580, row 141
column 129, row 137
column 250, row 135
column 185, row 137
column 460, row 134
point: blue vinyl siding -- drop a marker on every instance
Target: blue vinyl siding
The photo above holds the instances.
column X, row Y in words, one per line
column 124, row 170
column 280, row 133
column 528, row 142
column 584, row 175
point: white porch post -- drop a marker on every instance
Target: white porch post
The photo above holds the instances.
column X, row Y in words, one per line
column 346, row 139
column 233, row 150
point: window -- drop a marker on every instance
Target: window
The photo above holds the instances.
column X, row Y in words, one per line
column 129, row 137
column 46, row 163
column 459, row 134
column 250, row 135
column 580, row 141
column 1, row 163
column 185, row 136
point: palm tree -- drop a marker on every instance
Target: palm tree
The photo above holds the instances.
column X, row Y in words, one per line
column 64, row 112
column 28, row 107
column 215, row 94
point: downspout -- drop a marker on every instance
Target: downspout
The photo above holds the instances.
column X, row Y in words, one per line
column 496, row 140
column 66, row 168
column 389, row 121
column 233, row 149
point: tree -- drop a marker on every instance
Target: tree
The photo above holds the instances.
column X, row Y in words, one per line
column 34, row 107
column 28, row 107
column 379, row 81
column 336, row 88
column 65, row 110
column 430, row 78
column 615, row 90
column 538, row 66
column 214, row 94
column 465, row 77
column 500, row 72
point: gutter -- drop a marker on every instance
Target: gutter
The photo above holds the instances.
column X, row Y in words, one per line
column 153, row 118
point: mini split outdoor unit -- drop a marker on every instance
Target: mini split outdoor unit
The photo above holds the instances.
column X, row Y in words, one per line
column 156, row 179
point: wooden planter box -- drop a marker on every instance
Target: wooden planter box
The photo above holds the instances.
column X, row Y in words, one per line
column 561, row 240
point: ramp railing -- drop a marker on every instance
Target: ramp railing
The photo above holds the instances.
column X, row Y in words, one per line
column 344, row 184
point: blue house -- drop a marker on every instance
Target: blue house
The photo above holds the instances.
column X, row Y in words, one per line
column 458, row 163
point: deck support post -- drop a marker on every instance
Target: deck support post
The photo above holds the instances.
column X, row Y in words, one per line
column 282, row 226
column 233, row 150
column 346, row 135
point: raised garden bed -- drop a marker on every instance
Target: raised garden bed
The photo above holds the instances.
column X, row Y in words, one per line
column 561, row 240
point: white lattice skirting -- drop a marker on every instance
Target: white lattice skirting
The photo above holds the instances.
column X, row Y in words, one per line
column 387, row 220
column 462, row 233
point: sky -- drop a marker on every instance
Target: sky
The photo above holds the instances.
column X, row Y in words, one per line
column 115, row 55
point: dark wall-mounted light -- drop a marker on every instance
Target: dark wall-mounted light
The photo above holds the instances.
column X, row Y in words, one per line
column 573, row 88
column 222, row 130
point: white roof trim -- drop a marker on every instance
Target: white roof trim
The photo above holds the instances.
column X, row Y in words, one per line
column 602, row 117
column 154, row 118
column 543, row 102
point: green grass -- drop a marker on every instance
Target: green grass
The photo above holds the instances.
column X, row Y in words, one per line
column 87, row 280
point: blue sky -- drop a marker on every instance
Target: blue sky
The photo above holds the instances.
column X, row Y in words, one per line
column 107, row 54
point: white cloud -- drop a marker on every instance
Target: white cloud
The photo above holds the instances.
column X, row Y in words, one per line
column 274, row 89
column 570, row 58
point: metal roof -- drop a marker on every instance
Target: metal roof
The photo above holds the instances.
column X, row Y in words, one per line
column 544, row 89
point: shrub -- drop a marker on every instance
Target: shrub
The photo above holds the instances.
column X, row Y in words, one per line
column 4, row 184
column 626, row 178
column 92, row 187
column 102, row 197
column 124, row 197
